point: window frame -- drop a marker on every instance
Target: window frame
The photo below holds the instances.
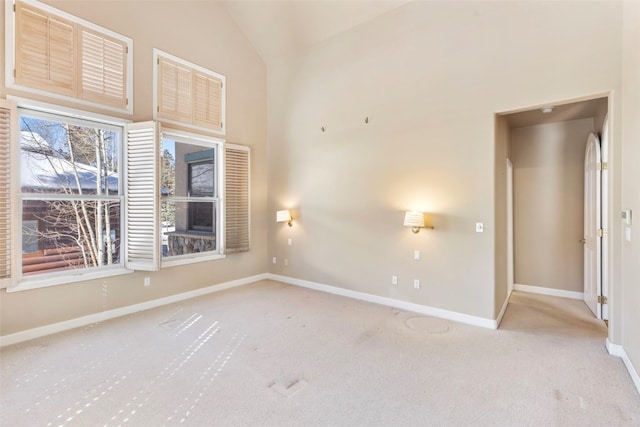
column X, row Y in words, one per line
column 77, row 96
column 218, row 145
column 21, row 282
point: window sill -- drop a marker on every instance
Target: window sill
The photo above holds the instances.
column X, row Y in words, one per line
column 189, row 259
column 70, row 277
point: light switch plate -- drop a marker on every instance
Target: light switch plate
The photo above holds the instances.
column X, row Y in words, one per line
column 289, row 241
column 416, row 255
column 479, row 227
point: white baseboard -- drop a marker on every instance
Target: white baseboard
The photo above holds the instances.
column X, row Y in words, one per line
column 503, row 310
column 390, row 302
column 122, row 311
column 549, row 291
column 618, row 350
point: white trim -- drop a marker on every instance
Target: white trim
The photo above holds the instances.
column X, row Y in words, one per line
column 618, row 351
column 549, row 291
column 390, row 302
column 9, row 42
column 74, row 113
column 30, row 334
column 503, row 310
column 66, row 277
column 173, row 261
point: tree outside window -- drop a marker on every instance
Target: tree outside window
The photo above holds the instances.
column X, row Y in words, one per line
column 70, row 193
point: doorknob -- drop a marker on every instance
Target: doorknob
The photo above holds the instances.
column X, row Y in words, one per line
column 583, row 241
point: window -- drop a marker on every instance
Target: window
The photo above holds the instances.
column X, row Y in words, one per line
column 187, row 94
column 70, row 193
column 60, row 55
column 174, row 208
column 189, row 192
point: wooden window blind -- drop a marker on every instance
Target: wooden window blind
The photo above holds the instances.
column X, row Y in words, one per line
column 45, row 50
column 103, row 62
column 174, row 90
column 207, row 105
column 237, row 174
column 60, row 54
column 187, row 94
column 8, row 128
column 143, row 197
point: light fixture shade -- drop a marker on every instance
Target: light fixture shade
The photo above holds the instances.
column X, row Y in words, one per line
column 414, row 219
column 283, row 216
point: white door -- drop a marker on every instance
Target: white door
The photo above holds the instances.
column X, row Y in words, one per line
column 591, row 239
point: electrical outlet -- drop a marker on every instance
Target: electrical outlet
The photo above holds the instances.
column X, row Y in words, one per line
column 147, row 281
column 416, row 283
column 273, row 260
column 394, row 280
column 416, row 255
column 286, row 262
column 289, row 241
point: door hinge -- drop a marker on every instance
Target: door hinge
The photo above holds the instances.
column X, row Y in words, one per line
column 602, row 232
column 603, row 166
column 602, row 299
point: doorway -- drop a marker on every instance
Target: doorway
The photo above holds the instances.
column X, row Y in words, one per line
column 544, row 175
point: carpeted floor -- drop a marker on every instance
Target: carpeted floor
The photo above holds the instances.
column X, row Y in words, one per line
column 270, row 354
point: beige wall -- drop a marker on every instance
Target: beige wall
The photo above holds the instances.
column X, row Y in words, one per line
column 203, row 33
column 430, row 91
column 548, row 168
column 630, row 295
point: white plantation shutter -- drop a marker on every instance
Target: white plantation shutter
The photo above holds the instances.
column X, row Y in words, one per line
column 45, row 50
column 174, row 90
column 103, row 68
column 237, row 198
column 143, row 197
column 8, row 129
column 187, row 94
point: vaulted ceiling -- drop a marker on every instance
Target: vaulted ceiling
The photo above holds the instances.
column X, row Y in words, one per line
column 282, row 27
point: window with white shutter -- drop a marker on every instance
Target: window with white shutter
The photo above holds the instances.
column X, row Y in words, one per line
column 237, row 176
column 62, row 56
column 142, row 197
column 187, row 94
column 8, row 129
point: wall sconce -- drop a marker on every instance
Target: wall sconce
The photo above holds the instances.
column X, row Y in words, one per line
column 415, row 220
column 284, row 216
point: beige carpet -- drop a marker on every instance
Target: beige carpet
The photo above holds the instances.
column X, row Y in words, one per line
column 270, row 354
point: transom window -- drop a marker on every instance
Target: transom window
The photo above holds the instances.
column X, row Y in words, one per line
column 70, row 193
